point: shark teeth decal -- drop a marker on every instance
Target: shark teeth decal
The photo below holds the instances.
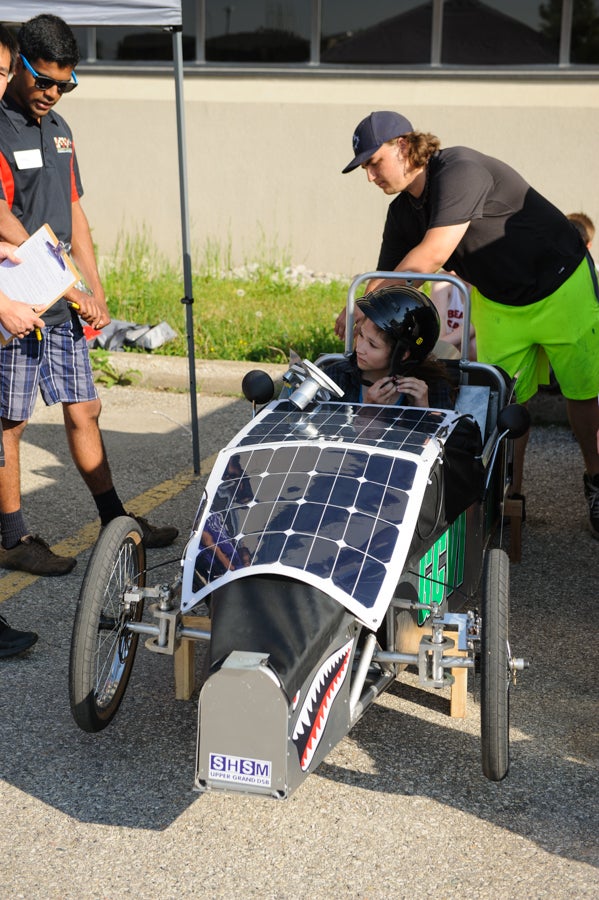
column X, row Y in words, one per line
column 315, row 710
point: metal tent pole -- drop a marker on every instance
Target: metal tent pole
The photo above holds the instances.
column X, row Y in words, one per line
column 187, row 300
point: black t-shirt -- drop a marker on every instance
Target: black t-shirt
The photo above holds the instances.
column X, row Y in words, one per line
column 518, row 247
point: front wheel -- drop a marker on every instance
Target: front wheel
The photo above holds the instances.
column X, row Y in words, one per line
column 494, row 666
column 102, row 647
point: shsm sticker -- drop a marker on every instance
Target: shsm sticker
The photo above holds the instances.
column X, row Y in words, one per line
column 240, row 769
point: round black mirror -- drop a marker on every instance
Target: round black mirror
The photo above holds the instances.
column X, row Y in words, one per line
column 515, row 419
column 258, row 386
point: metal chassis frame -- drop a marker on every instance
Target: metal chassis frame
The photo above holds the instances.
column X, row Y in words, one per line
column 166, row 635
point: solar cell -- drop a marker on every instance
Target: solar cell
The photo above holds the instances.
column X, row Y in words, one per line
column 321, row 495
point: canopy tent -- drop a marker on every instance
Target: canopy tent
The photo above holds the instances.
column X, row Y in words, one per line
column 167, row 14
column 92, row 12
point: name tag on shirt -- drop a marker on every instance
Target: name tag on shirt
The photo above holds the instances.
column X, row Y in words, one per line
column 28, row 159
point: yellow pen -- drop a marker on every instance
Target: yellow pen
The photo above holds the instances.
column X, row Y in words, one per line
column 38, row 333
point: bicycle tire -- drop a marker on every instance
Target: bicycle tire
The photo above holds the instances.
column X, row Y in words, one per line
column 102, row 648
column 494, row 667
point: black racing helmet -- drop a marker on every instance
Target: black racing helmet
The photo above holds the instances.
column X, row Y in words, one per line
column 408, row 316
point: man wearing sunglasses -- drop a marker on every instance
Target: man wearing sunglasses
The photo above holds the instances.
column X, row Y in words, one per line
column 39, row 183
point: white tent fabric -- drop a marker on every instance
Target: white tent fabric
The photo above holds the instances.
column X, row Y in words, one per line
column 165, row 13
column 97, row 12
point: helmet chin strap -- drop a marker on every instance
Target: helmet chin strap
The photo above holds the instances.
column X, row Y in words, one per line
column 398, row 365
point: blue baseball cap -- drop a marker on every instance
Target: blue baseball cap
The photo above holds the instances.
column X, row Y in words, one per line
column 374, row 131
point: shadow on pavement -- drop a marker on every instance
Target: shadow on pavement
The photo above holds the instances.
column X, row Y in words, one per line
column 139, row 772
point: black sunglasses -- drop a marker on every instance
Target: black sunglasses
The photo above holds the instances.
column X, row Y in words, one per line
column 44, row 83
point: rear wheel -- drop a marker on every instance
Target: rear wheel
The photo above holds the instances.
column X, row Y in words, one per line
column 102, row 647
column 494, row 666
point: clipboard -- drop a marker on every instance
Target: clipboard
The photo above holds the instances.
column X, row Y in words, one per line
column 42, row 277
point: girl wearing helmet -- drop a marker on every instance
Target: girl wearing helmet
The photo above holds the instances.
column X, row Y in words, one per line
column 392, row 363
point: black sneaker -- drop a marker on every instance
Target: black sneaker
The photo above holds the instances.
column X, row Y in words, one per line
column 33, row 555
column 591, row 492
column 154, row 535
column 13, row 641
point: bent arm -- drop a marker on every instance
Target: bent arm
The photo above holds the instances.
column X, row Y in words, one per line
column 92, row 309
column 440, row 295
column 430, row 254
column 11, row 229
column 427, row 257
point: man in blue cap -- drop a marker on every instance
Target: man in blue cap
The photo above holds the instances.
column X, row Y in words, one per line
column 535, row 298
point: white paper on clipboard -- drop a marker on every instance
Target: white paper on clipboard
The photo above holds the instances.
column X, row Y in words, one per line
column 41, row 278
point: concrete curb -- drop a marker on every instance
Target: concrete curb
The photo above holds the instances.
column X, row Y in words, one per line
column 171, row 373
column 223, row 378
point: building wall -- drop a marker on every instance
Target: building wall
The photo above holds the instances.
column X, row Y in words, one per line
column 264, row 155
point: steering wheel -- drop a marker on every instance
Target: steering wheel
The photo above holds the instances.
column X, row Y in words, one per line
column 313, row 385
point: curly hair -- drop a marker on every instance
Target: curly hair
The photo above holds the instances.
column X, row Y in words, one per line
column 584, row 224
column 421, row 146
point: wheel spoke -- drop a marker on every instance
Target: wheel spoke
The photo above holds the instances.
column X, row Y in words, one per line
column 113, row 649
column 103, row 647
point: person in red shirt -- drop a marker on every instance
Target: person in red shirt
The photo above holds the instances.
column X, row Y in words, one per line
column 18, row 319
column 40, row 183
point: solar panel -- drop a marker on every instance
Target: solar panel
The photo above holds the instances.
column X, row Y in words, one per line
column 391, row 427
column 323, row 496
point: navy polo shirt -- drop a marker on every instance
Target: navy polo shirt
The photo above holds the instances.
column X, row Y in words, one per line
column 39, row 176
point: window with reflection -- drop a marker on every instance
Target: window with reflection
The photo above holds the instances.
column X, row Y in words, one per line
column 353, row 32
column 584, row 48
column 265, row 31
column 499, row 33
column 380, row 32
column 149, row 44
column 81, row 38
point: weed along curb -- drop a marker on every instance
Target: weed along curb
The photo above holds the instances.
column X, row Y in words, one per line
column 171, row 373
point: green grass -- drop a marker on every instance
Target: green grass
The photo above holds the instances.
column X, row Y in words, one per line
column 254, row 315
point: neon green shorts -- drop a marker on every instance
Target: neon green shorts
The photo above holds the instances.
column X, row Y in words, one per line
column 562, row 330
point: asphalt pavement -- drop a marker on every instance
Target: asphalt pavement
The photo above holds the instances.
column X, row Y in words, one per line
column 399, row 808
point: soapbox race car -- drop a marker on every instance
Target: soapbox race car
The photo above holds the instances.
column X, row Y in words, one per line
column 335, row 544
